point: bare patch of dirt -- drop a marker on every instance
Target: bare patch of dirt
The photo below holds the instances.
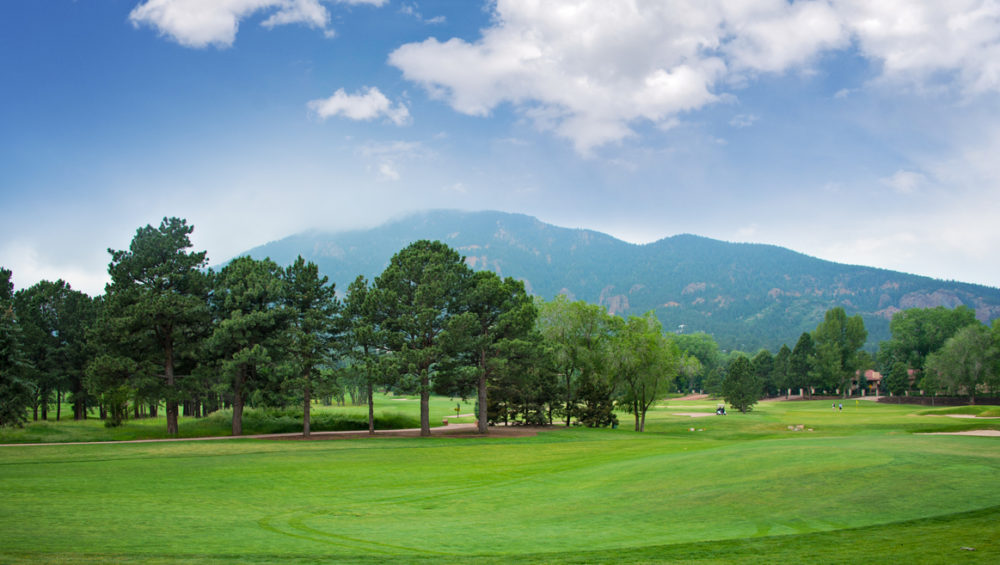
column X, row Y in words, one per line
column 692, row 397
column 451, row 430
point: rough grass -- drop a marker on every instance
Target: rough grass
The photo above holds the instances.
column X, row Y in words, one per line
column 861, row 487
column 392, row 412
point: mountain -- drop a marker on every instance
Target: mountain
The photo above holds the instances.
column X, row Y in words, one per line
column 747, row 295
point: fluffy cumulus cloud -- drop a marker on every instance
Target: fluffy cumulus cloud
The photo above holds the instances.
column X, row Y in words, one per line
column 591, row 70
column 922, row 42
column 200, row 23
column 369, row 105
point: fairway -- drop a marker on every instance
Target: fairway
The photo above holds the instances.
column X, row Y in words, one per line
column 745, row 487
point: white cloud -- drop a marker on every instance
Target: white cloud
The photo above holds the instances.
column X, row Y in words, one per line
column 743, row 120
column 923, row 42
column 905, row 182
column 773, row 36
column 370, row 105
column 200, row 23
column 384, row 158
column 412, row 10
column 387, row 171
column 590, row 71
column 403, row 149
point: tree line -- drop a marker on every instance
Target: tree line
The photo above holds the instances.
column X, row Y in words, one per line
column 932, row 351
column 170, row 333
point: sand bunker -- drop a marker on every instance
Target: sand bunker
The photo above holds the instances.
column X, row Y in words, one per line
column 693, row 414
column 984, row 433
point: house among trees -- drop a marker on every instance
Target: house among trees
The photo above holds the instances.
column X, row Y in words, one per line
column 872, row 380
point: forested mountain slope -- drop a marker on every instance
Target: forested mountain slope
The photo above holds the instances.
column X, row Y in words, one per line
column 747, row 295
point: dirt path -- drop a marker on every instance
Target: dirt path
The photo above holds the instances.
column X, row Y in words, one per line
column 451, row 430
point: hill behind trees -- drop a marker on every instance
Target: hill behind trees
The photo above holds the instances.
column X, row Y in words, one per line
column 747, row 295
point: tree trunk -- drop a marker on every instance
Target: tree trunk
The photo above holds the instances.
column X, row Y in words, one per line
column 425, row 397
column 79, row 408
column 483, row 414
column 306, row 402
column 238, row 401
column 371, row 408
column 635, row 410
column 58, row 404
column 168, row 370
column 569, row 413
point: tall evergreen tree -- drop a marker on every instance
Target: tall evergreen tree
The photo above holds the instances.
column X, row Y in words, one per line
column 495, row 312
column 55, row 320
column 15, row 389
column 741, row 387
column 763, row 366
column 361, row 342
column 801, row 362
column 158, row 289
column 251, row 320
column 313, row 326
column 781, row 371
column 416, row 295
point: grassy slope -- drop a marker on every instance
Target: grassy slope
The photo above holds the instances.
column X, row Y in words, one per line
column 746, row 488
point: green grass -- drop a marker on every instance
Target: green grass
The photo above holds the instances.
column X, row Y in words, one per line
column 859, row 487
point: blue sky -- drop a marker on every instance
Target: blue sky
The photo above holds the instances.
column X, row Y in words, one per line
column 859, row 132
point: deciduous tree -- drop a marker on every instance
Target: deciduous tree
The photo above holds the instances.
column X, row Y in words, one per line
column 918, row 332
column 838, row 342
column 578, row 333
column 967, row 360
column 644, row 362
